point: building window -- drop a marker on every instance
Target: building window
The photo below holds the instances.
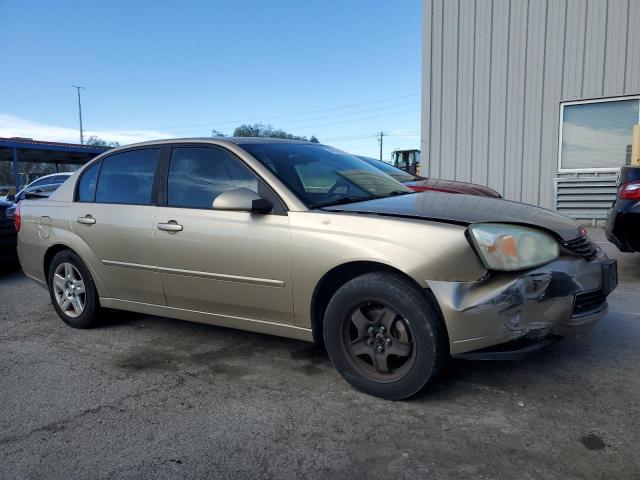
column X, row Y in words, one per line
column 596, row 134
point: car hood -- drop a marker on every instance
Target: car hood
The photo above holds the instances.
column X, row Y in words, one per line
column 452, row 186
column 465, row 210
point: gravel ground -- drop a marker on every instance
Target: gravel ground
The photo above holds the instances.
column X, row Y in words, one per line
column 146, row 397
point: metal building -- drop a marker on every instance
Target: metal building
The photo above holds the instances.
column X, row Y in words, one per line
column 534, row 98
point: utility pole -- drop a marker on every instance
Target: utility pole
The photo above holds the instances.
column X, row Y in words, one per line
column 78, row 87
column 380, row 141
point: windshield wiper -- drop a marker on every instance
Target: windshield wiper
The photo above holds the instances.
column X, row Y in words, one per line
column 343, row 200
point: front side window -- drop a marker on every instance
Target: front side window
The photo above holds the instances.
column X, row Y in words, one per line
column 320, row 175
column 597, row 135
column 198, row 175
column 127, row 177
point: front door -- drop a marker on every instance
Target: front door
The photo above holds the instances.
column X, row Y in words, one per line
column 234, row 264
column 114, row 215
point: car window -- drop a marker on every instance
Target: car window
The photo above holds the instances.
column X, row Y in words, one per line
column 127, row 177
column 198, row 175
column 399, row 175
column 320, row 175
column 59, row 178
column 87, row 184
column 40, row 181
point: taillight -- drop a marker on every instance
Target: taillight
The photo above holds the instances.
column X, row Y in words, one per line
column 17, row 221
column 630, row 190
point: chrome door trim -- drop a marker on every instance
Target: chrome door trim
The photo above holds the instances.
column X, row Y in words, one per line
column 133, row 266
column 265, row 282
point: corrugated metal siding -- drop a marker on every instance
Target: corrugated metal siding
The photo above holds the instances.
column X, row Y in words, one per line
column 495, row 73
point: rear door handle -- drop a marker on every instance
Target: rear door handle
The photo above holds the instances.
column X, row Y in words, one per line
column 86, row 220
column 171, row 226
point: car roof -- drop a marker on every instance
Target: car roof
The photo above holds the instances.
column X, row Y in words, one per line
column 230, row 140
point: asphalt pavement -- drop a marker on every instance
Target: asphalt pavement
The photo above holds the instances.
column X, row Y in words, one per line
column 147, row 397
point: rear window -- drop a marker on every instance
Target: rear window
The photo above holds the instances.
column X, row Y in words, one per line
column 127, row 177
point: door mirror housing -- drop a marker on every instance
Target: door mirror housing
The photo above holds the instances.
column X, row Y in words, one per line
column 242, row 200
column 11, row 198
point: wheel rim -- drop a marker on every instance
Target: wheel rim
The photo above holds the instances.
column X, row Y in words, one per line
column 378, row 341
column 69, row 290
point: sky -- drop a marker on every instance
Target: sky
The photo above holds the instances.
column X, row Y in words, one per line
column 339, row 70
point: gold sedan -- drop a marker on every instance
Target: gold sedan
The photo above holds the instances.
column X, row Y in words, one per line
column 306, row 241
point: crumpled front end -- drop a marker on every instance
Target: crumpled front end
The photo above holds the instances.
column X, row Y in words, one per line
column 565, row 297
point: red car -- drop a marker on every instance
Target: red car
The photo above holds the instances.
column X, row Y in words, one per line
column 421, row 184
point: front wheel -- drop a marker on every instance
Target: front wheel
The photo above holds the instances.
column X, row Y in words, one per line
column 384, row 336
column 72, row 290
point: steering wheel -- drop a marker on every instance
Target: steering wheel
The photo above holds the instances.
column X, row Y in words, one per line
column 339, row 183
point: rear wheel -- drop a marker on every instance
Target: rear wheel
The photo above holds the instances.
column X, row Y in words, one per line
column 72, row 290
column 384, row 336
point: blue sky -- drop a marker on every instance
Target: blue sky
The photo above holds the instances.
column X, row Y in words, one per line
column 335, row 69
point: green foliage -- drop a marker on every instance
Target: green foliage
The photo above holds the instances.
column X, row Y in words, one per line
column 217, row 133
column 267, row 131
column 98, row 142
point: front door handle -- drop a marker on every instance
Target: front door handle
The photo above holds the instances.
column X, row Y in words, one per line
column 171, row 226
column 86, row 220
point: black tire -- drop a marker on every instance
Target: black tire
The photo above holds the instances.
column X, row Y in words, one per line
column 91, row 306
column 412, row 324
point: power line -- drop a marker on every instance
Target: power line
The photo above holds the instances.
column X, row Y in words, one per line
column 230, row 122
column 361, row 118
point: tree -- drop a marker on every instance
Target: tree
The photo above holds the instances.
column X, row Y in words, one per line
column 217, row 133
column 98, row 142
column 267, row 131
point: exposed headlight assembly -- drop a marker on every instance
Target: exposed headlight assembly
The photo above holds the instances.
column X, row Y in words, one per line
column 511, row 247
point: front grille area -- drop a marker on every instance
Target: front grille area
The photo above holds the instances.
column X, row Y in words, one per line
column 589, row 301
column 582, row 246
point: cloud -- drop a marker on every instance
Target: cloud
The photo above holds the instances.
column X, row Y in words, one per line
column 11, row 126
column 587, row 147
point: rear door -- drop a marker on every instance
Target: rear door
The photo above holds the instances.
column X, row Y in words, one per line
column 114, row 214
column 230, row 263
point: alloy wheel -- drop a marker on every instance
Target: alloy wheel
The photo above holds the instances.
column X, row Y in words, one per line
column 69, row 290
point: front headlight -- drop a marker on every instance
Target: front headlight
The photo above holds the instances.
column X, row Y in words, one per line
column 511, row 247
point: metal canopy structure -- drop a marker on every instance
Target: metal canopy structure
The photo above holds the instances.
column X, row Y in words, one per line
column 23, row 158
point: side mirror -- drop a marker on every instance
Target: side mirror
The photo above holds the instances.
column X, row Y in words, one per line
column 11, row 198
column 242, row 200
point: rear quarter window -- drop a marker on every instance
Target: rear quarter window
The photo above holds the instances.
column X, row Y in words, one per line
column 87, row 184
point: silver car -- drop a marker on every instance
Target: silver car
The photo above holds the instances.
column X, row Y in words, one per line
column 306, row 241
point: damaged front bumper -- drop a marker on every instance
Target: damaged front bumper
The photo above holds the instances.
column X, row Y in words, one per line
column 563, row 298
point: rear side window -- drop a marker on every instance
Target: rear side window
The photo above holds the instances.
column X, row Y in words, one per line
column 198, row 175
column 127, row 177
column 57, row 179
column 87, row 184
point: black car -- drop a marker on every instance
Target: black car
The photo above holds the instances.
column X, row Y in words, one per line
column 8, row 235
column 623, row 222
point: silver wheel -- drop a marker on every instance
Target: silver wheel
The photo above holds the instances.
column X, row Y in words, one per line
column 69, row 290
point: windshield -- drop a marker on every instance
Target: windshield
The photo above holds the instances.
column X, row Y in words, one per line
column 399, row 175
column 321, row 175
